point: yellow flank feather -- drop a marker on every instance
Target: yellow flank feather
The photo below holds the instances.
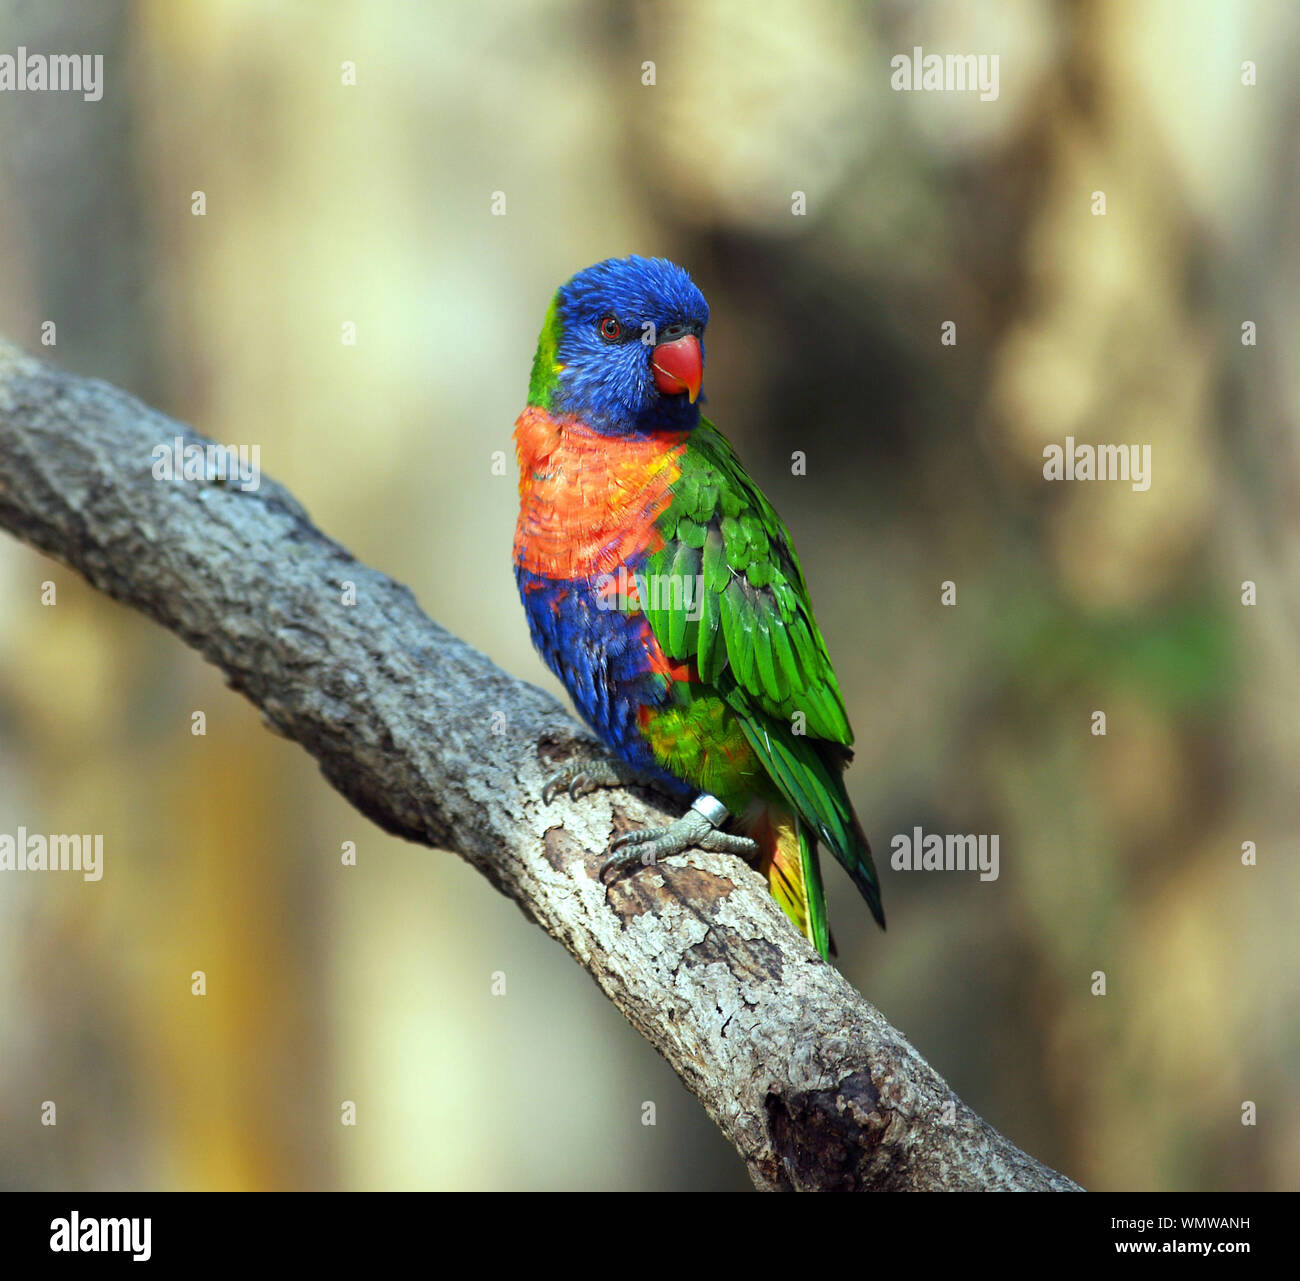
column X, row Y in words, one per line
column 781, row 861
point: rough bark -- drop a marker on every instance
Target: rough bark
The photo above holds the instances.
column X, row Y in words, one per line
column 434, row 743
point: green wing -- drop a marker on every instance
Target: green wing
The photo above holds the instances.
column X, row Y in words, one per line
column 755, row 640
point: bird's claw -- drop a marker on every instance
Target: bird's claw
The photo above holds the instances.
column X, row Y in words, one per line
column 648, row 845
column 581, row 777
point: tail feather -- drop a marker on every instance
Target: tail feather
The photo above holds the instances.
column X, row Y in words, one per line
column 788, row 859
column 810, row 777
column 862, row 868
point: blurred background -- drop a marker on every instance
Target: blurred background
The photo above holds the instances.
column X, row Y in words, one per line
column 372, row 203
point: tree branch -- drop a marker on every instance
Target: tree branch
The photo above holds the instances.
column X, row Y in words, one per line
column 430, row 740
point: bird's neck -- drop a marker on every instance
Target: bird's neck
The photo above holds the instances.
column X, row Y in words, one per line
column 588, row 502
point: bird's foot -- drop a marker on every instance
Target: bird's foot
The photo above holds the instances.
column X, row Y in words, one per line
column 696, row 829
column 585, row 775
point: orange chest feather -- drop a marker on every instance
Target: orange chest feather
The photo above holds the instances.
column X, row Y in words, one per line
column 588, row 503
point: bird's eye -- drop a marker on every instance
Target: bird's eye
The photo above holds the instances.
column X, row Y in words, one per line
column 610, row 329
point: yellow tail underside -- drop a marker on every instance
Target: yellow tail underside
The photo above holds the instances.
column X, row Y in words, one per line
column 781, row 863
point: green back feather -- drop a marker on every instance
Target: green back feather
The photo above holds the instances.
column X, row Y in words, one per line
column 756, row 644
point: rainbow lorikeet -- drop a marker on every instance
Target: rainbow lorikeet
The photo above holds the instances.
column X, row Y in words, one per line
column 664, row 591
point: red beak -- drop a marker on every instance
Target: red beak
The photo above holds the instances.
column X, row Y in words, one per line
column 679, row 366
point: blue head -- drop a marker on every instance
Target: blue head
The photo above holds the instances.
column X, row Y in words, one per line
column 622, row 348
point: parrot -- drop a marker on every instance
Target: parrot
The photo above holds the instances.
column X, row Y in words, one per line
column 663, row 590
